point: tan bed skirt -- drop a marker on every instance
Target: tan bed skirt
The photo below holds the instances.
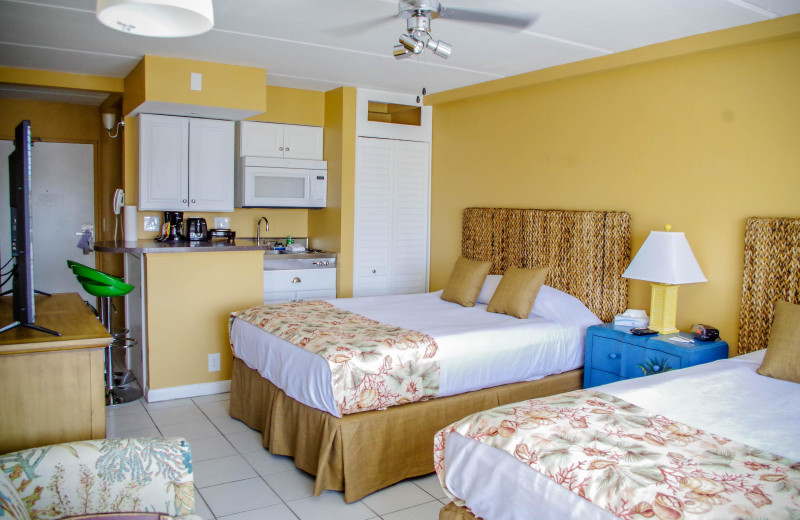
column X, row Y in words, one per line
column 454, row 512
column 364, row 452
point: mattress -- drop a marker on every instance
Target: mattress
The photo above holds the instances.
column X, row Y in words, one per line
column 725, row 397
column 477, row 349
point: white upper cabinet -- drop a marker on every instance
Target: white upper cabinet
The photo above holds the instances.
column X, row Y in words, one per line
column 257, row 139
column 211, row 165
column 185, row 164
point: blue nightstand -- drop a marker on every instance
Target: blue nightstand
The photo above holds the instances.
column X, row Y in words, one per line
column 613, row 354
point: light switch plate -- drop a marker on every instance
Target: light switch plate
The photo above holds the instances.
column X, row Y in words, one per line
column 151, row 223
column 196, row 81
column 221, row 223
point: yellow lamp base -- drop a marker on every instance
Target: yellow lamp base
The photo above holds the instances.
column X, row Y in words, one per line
column 663, row 307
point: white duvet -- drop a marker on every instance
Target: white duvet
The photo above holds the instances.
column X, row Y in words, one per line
column 725, row 397
column 477, row 349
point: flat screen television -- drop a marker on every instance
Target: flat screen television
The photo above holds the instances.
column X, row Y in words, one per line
column 19, row 184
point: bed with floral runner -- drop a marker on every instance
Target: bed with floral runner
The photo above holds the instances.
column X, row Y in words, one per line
column 592, row 454
column 386, row 388
column 711, row 441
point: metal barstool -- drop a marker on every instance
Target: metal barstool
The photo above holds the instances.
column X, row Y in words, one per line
column 106, row 286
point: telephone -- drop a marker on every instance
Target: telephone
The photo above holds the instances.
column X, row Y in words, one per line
column 119, row 201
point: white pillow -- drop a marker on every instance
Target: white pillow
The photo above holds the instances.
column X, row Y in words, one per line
column 550, row 303
column 562, row 307
column 489, row 287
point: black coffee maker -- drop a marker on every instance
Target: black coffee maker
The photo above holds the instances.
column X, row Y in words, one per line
column 174, row 225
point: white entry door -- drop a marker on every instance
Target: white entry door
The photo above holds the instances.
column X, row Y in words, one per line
column 62, row 200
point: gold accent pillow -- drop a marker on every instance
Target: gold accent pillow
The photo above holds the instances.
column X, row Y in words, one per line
column 465, row 281
column 782, row 360
column 517, row 291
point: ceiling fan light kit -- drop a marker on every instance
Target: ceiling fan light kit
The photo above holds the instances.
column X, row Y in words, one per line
column 160, row 18
column 419, row 14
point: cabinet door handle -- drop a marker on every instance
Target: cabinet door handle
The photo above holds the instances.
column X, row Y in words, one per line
column 296, row 280
column 374, row 271
column 287, row 148
column 613, row 356
column 184, row 201
column 193, row 201
column 281, row 148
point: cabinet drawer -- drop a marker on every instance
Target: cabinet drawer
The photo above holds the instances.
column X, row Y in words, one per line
column 325, row 294
column 600, row 377
column 607, row 354
column 278, row 296
column 300, row 280
column 647, row 361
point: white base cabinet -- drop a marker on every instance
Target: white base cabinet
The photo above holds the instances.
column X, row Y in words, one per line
column 392, row 217
column 185, row 164
column 290, row 285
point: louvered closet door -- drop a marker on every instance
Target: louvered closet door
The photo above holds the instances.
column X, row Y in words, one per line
column 391, row 217
column 372, row 217
column 410, row 198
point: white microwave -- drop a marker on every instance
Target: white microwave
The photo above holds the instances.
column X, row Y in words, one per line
column 267, row 182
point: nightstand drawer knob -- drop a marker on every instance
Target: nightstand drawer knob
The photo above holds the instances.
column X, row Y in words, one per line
column 613, row 356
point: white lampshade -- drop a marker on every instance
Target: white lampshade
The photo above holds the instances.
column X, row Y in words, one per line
column 665, row 257
column 164, row 18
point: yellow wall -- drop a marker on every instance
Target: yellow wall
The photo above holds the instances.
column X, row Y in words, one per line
column 167, row 80
column 332, row 227
column 189, row 297
column 293, row 106
column 49, row 78
column 699, row 140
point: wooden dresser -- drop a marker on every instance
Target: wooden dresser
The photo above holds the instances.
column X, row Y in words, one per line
column 52, row 388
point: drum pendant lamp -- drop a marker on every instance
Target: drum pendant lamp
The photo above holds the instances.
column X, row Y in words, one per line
column 160, row 18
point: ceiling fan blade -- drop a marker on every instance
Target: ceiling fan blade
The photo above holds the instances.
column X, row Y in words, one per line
column 361, row 25
column 517, row 21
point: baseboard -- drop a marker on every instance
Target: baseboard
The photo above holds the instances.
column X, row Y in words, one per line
column 179, row 392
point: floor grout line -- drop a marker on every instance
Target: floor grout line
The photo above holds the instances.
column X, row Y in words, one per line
column 241, row 454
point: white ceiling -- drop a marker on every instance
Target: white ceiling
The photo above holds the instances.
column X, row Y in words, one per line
column 325, row 44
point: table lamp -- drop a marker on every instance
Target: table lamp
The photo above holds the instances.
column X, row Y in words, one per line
column 666, row 260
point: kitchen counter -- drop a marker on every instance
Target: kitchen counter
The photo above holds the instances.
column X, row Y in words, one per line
column 200, row 246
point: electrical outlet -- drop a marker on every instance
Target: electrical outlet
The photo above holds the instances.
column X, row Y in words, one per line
column 150, row 223
column 221, row 223
column 213, row 363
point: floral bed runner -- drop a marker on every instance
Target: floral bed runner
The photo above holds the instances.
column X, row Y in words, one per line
column 373, row 365
column 634, row 463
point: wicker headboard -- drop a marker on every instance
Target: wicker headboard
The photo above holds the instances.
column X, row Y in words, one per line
column 587, row 251
column 771, row 273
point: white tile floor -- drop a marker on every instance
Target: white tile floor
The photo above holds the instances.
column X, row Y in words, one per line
column 237, row 479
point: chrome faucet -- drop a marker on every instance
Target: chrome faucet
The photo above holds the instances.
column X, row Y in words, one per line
column 258, row 229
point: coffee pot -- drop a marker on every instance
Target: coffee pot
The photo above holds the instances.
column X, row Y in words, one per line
column 174, row 223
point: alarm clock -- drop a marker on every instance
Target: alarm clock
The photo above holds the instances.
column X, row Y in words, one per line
column 704, row 332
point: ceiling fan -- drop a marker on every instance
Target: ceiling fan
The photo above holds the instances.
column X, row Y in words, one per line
column 419, row 14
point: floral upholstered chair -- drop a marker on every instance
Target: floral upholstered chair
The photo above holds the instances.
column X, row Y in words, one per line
column 150, row 477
